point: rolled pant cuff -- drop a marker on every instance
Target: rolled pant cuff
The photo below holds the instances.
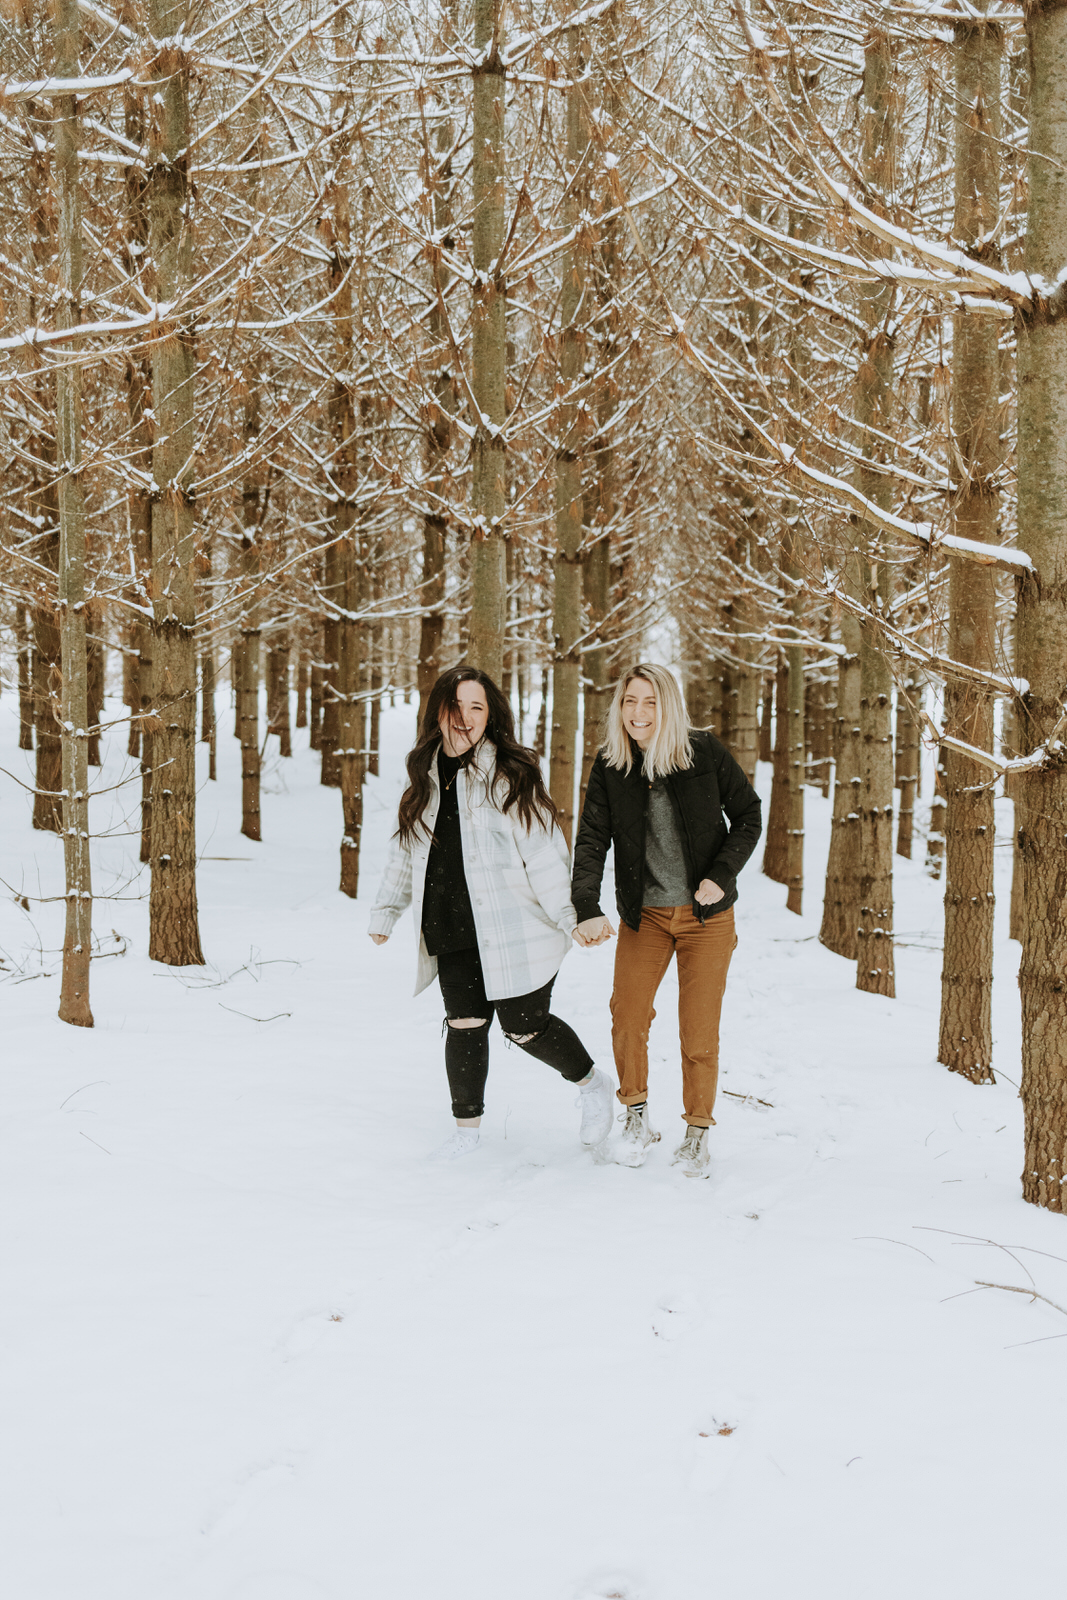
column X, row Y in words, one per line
column 700, row 1122
column 631, row 1099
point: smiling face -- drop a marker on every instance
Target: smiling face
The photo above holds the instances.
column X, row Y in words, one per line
column 460, row 731
column 640, row 716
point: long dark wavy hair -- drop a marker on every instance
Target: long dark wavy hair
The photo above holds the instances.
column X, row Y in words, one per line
column 515, row 765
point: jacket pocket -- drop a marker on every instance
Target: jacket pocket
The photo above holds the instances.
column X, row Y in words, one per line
column 519, row 885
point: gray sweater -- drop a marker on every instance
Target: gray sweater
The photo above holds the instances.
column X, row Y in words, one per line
column 666, row 880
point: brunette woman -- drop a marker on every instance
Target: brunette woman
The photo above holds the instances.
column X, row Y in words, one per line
column 479, row 857
column 683, row 820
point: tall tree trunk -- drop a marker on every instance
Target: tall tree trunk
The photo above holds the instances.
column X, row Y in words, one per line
column 840, row 911
column 96, row 670
column 278, row 651
column 794, row 657
column 439, row 427
column 302, row 690
column 776, row 842
column 78, row 933
column 485, row 647
column 570, row 451
column 765, row 749
column 137, row 382
column 966, row 1034
column 209, row 732
column 1041, row 807
column 908, row 751
column 873, row 401
column 25, row 654
column 174, row 935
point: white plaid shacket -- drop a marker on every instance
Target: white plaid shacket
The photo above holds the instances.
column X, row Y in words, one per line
column 519, row 881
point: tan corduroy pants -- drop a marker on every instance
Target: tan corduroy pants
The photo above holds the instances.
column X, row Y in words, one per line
column 641, row 959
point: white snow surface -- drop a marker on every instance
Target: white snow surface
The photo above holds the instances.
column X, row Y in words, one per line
column 257, row 1347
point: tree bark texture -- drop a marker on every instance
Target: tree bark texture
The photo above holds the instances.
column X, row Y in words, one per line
column 795, row 698
column 1041, row 618
column 570, row 454
column 439, row 428
column 776, row 846
column 174, row 935
column 24, row 639
column 96, row 667
column 873, row 406
column 840, row 908
column 966, row 1031
column 485, row 645
column 209, row 731
column 74, row 697
column 908, row 756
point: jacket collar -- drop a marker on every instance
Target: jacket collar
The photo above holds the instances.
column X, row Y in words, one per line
column 482, row 763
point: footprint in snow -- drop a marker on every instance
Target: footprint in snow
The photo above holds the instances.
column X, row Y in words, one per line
column 310, row 1333
column 715, row 1455
column 675, row 1314
column 610, row 1587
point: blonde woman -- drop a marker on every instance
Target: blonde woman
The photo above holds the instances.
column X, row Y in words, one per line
column 683, row 820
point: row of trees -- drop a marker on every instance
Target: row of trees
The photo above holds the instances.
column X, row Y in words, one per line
column 393, row 334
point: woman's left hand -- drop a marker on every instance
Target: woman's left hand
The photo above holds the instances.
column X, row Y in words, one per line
column 709, row 893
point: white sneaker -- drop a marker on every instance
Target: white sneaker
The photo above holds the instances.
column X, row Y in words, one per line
column 693, row 1155
column 462, row 1142
column 632, row 1148
column 596, row 1099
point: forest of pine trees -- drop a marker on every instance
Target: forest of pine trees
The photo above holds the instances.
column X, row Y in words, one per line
column 342, row 342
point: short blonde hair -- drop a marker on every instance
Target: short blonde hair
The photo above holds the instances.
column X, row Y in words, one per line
column 670, row 748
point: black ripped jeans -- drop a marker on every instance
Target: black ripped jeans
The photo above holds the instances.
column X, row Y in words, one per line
column 467, row 1049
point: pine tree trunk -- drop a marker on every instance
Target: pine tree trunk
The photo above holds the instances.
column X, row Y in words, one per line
column 25, row 654
column 765, row 749
column 570, row 453
column 47, row 801
column 246, row 658
column 96, row 665
column 315, row 711
column 795, row 699
column 208, row 721
column 873, row 403
column 1041, row 803
column 174, row 935
column 746, row 732
column 485, row 645
column 966, row 1033
column 302, row 690
column 329, row 726
column 137, row 382
column 908, row 750
column 840, row 912
column 78, row 933
column 935, row 838
column 776, row 844
column 439, row 427
column 795, row 774
column 278, row 653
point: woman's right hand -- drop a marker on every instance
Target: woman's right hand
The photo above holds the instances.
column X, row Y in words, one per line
column 594, row 930
column 379, row 938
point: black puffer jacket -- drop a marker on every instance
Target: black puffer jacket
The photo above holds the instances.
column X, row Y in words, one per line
column 616, row 806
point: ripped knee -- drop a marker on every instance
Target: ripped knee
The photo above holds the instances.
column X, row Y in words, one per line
column 467, row 1022
column 524, row 1038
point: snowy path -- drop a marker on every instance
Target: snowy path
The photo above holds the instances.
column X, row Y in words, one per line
column 255, row 1348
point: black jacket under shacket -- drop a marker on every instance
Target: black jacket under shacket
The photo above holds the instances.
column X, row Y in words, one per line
column 615, row 810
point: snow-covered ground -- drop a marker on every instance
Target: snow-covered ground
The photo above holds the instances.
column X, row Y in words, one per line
column 254, row 1347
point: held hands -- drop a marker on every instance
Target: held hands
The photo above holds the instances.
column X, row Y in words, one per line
column 379, row 938
column 708, row 893
column 594, row 930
